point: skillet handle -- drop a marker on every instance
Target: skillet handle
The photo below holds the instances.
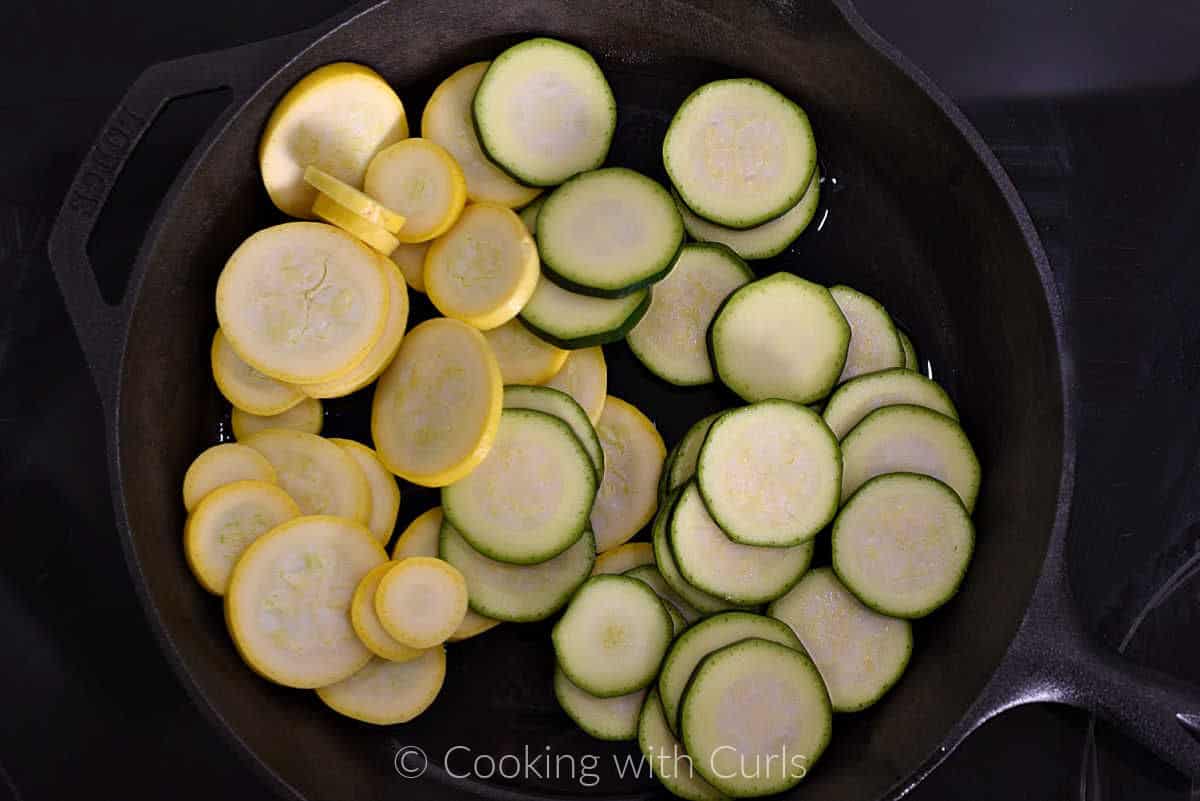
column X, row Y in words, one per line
column 99, row 324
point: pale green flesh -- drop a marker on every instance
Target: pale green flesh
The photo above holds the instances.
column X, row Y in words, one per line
column 564, row 407
column 570, row 320
column 668, row 761
column 860, row 396
column 874, row 342
column 665, row 562
column 652, row 578
column 910, row 352
column 611, row 719
column 529, row 215
column 681, row 464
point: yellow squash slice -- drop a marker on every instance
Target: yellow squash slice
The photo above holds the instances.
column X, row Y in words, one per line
column 247, row 388
column 421, row 601
column 584, row 376
column 633, row 459
column 410, row 258
column 366, row 622
column 321, row 477
column 352, row 199
column 524, row 357
column 386, row 693
column 624, row 558
column 385, row 494
column 376, row 236
column 419, row 179
column 221, row 465
column 307, row 416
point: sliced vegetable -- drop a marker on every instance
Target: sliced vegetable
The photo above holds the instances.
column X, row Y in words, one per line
column 473, row 625
column 386, row 693
column 307, row 416
column 420, row 180
column 385, row 494
column 421, row 601
column 544, row 112
column 910, row 352
column 671, row 340
column 611, row 719
column 681, row 461
column 334, row 118
column 633, row 460
column 366, row 622
column 524, row 357
column 529, row 215
column 860, row 396
column 321, row 477
column 874, row 343
column 668, row 760
column 437, row 407
column 780, row 337
column 584, row 376
column 611, row 639
column 624, row 558
column 573, row 321
column 410, row 258
column 288, row 602
column 664, row 560
column 739, row 152
column 247, row 388
column 564, row 407
column 221, row 465
column 861, row 654
column 375, row 236
column 608, row 233
column 910, row 439
column 353, row 200
column 649, row 575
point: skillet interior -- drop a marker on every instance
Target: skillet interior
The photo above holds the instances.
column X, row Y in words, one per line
column 913, row 219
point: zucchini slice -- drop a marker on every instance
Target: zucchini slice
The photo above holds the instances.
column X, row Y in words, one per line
column 224, row 524
column 381, row 353
column 437, row 406
column 220, row 465
column 418, row 179
column 385, row 493
column 756, row 703
column 484, row 269
column 910, row 352
column 353, row 200
column 710, row 561
column 302, row 302
column 861, row 654
column 584, row 376
column 633, row 460
column 681, row 461
column 307, row 416
column 762, row 241
column 770, row 473
column 565, row 408
column 624, row 558
column 671, row 340
column 335, row 118
column 739, row 152
column 524, row 357
column 247, row 388
column 288, row 602
column 386, row 693
column 902, row 544
column 448, row 120
column 608, row 233
column 334, row 213
column 874, row 343
column 530, row 498
column 668, row 760
column 612, row 719
column 858, row 397
column 321, row 477
column 410, row 258
column 529, row 215
column 421, row 601
column 649, row 575
column 545, row 112
column 780, row 337
column 910, row 439
column 519, row 593
column 612, row 637
column 665, row 562
column 366, row 622
column 573, row 321
column 709, row 635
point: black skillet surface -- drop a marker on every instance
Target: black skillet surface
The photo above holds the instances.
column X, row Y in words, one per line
column 946, row 330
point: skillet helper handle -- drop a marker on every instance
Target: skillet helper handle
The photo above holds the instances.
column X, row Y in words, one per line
column 100, row 324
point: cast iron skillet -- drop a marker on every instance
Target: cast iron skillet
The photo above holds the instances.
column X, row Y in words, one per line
column 921, row 216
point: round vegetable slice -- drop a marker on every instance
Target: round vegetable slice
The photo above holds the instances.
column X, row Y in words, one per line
column 584, row 376
column 860, row 396
column 910, row 352
column 668, row 760
column 770, row 473
column 611, row 639
column 524, row 357
column 762, row 241
column 375, row 236
column 421, row 601
column 334, row 118
column 386, row 693
column 529, row 215
column 574, row 321
column 437, row 406
column 739, row 152
column 649, row 575
column 449, row 121
column 710, row 561
column 544, row 112
column 321, row 477
column 288, row 602
column 859, row 652
column 224, row 524
column 665, row 561
column 709, row 635
column 780, row 337
column 220, row 465
column 385, row 494
column 756, row 703
column 247, row 388
column 910, row 439
column 306, row 416
column 381, row 353
column 671, row 340
column 366, row 622
column 902, row 544
column 529, row 500
column 302, row 302
column 484, row 269
column 681, row 461
column 410, row 258
column 565, row 408
column 624, row 558
column 608, row 233
column 420, row 180
column 612, row 719
column 519, row 593
column 874, row 343
column 633, row 460
column 353, row 200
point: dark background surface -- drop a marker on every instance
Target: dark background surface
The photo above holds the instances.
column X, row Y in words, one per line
column 1092, row 106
